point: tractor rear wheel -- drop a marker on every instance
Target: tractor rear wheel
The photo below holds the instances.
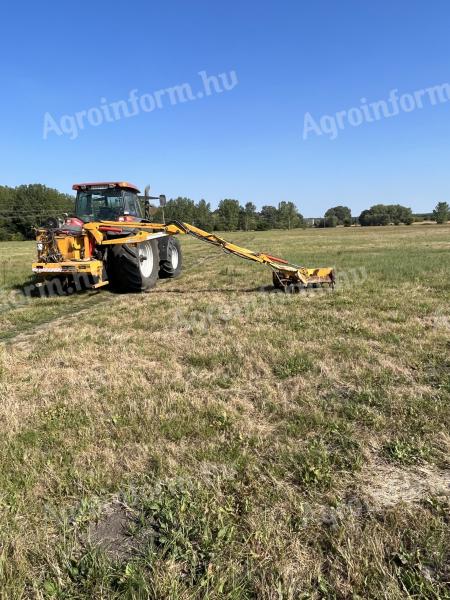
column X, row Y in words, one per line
column 170, row 258
column 133, row 268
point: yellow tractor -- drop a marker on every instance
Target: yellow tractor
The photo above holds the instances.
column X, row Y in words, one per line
column 111, row 240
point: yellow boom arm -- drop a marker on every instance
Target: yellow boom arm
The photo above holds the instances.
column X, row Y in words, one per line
column 283, row 271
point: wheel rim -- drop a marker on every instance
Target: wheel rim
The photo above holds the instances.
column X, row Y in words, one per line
column 145, row 259
column 175, row 257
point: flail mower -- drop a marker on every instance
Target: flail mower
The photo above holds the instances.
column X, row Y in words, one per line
column 110, row 239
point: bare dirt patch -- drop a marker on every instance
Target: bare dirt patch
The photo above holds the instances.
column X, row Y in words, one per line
column 111, row 532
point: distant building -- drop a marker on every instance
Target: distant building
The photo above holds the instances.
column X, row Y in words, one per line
column 311, row 221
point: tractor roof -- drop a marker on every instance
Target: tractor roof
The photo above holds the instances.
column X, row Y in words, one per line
column 105, row 184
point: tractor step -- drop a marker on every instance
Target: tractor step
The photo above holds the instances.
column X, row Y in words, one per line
column 100, row 284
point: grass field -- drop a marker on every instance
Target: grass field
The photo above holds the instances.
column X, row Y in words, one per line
column 210, row 439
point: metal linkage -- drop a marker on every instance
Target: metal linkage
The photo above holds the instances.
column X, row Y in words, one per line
column 286, row 273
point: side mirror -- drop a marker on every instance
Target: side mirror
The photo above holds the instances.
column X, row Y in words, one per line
column 162, row 200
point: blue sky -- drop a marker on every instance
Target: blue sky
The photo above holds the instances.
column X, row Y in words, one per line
column 290, row 58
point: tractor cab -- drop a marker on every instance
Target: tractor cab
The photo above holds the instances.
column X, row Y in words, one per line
column 107, row 201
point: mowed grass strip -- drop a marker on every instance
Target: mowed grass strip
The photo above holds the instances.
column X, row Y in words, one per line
column 213, row 440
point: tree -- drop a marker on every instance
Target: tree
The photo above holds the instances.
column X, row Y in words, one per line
column 384, row 214
column 268, row 218
column 331, row 221
column 6, row 206
column 365, row 218
column 400, row 214
column 288, row 216
column 441, row 213
column 342, row 213
column 30, row 205
column 228, row 215
column 177, row 209
column 250, row 216
column 203, row 215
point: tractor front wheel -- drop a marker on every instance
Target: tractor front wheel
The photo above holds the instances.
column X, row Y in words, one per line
column 133, row 268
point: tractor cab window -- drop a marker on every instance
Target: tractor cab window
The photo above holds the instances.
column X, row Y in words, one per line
column 132, row 206
column 99, row 205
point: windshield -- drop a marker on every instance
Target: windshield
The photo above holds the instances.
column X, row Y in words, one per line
column 106, row 205
column 101, row 205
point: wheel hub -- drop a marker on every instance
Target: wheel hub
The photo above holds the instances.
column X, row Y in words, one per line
column 174, row 257
column 145, row 259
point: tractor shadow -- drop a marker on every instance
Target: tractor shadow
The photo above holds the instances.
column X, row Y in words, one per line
column 33, row 288
column 223, row 290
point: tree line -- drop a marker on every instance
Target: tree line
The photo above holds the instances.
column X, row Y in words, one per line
column 382, row 214
column 28, row 206
column 231, row 216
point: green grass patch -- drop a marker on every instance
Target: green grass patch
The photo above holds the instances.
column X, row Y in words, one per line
column 290, row 366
